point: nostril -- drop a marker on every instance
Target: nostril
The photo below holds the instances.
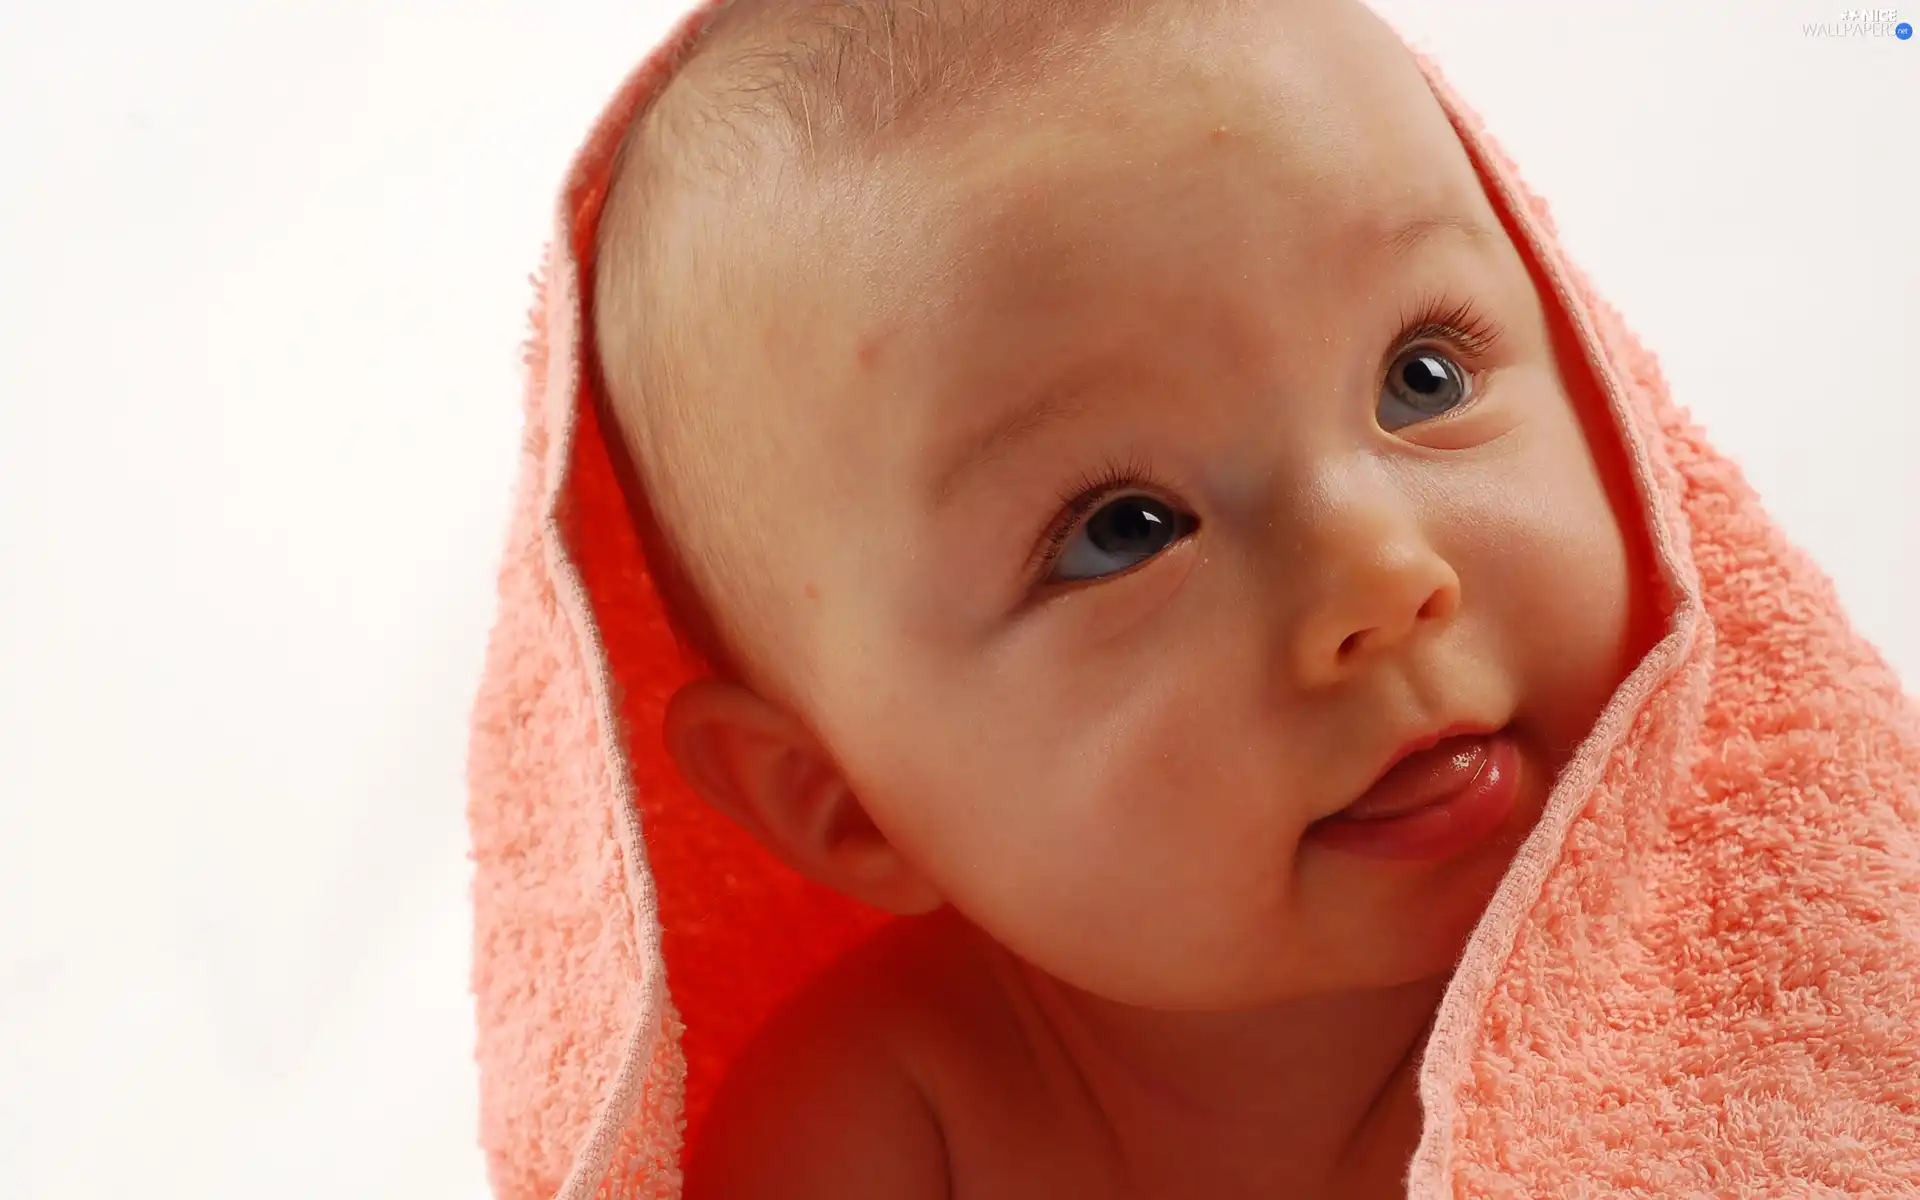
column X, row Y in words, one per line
column 1350, row 644
column 1440, row 605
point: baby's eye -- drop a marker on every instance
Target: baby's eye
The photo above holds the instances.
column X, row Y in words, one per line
column 1120, row 535
column 1423, row 383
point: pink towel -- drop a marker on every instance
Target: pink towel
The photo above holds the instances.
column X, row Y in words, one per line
column 1700, row 976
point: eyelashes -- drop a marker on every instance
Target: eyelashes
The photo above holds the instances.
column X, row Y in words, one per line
column 1459, row 323
column 1431, row 318
column 1114, row 477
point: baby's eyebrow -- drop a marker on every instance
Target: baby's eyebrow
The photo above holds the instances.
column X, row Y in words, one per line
column 1403, row 238
column 1064, row 395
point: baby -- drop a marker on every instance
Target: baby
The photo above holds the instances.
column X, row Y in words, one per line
column 1163, row 557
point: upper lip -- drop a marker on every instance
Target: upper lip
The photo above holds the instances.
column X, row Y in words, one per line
column 1415, row 745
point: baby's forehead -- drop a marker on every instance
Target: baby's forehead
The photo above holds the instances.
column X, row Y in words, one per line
column 1005, row 221
column 940, row 154
column 984, row 246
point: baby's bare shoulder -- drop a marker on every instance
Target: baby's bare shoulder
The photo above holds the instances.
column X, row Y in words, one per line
column 898, row 1073
column 824, row 1101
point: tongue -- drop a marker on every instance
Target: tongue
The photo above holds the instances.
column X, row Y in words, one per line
column 1420, row 779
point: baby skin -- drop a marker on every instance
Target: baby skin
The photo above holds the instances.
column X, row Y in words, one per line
column 1175, row 547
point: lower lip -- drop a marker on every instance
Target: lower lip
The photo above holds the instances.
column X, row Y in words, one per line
column 1441, row 829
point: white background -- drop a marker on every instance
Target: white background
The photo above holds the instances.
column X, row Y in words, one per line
column 262, row 284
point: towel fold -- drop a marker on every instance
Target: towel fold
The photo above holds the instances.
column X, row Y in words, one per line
column 1701, row 974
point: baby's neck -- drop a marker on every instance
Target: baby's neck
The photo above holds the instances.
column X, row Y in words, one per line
column 1312, row 1097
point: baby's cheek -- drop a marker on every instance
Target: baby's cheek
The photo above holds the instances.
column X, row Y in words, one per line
column 1068, row 819
column 1556, row 576
column 1165, row 788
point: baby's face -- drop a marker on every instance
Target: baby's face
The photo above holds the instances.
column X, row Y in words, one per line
column 1162, row 453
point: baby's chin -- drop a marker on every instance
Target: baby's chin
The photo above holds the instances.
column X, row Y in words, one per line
column 1383, row 922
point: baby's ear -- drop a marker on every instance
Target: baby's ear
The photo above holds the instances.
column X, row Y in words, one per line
column 760, row 766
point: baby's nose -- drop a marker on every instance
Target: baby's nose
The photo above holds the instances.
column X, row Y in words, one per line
column 1376, row 582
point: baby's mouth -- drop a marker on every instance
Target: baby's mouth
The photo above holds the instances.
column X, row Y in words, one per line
column 1421, row 778
column 1432, row 803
